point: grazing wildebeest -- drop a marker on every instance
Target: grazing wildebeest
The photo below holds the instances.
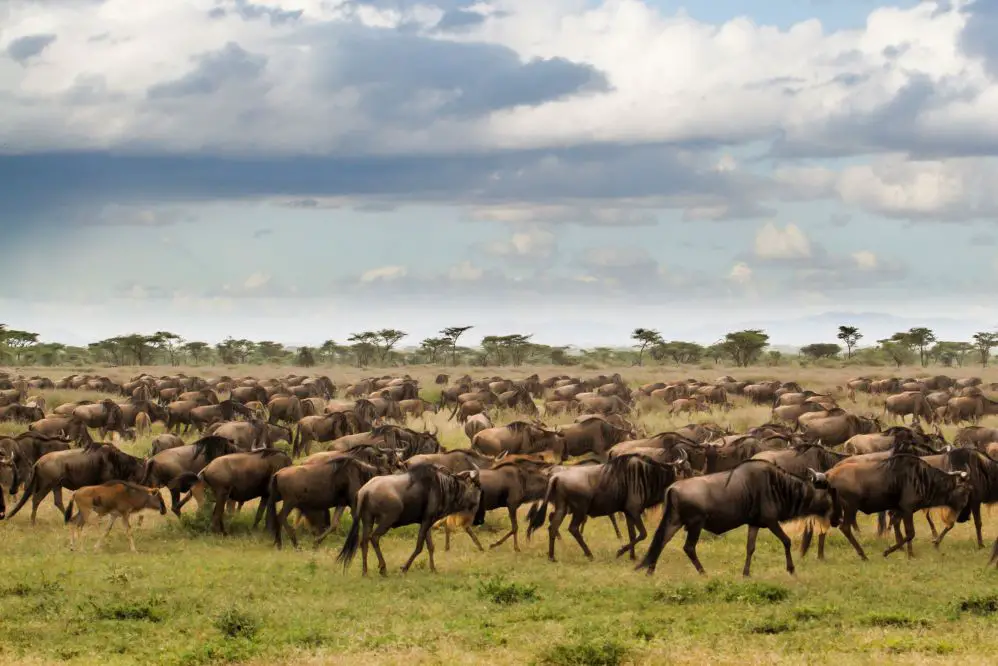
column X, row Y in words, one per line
column 167, row 468
column 62, row 426
column 630, row 483
column 25, row 449
column 21, row 413
column 105, row 415
column 756, row 493
column 114, row 498
column 73, row 469
column 421, row 496
column 324, row 428
column 476, row 424
column 241, row 477
column 982, row 471
column 165, row 441
column 202, row 416
column 456, row 460
column 900, row 483
column 247, row 435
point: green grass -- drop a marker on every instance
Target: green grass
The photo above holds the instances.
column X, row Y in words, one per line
column 190, row 597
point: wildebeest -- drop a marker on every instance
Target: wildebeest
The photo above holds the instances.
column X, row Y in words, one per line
column 105, row 415
column 421, row 496
column 21, row 413
column 73, row 469
column 756, row 493
column 241, row 477
column 519, row 437
column 594, row 436
column 167, row 468
column 317, row 487
column 114, row 498
column 629, row 483
column 509, row 485
column 901, row 483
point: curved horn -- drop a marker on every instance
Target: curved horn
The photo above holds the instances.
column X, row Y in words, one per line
column 961, row 474
column 682, row 459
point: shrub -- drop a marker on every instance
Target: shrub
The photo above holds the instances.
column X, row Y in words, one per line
column 585, row 653
column 979, row 605
column 498, row 591
column 234, row 623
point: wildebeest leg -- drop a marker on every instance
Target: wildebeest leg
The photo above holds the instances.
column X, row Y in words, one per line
column 909, row 535
column 690, row 547
column 36, row 499
column 782, row 536
column 57, row 498
column 376, row 544
column 446, row 536
column 553, row 524
column 753, row 534
column 467, row 528
column 636, row 532
column 430, row 548
column 110, row 524
column 512, row 531
column 128, row 532
column 420, row 539
column 218, row 515
column 282, row 523
column 821, row 545
column 175, row 500
column 939, row 540
column 260, row 509
column 976, row 511
column 932, row 526
column 846, row 528
column 616, row 529
column 575, row 529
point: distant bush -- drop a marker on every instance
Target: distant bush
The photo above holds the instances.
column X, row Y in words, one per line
column 987, row 605
column 234, row 623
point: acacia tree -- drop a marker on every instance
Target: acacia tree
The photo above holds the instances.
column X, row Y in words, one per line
column 387, row 339
column 451, row 334
column 745, row 346
column 680, row 352
column 364, row 346
column 170, row 343
column 921, row 338
column 433, row 346
column 305, row 357
column 196, row 350
column 17, row 341
column 271, row 351
column 821, row 350
column 645, row 337
column 898, row 348
column 984, row 343
column 849, row 335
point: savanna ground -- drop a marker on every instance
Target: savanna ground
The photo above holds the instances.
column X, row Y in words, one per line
column 189, row 597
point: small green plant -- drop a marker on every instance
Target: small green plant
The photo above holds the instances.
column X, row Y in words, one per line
column 126, row 611
column 892, row 619
column 498, row 591
column 986, row 605
column 234, row 623
column 585, row 653
column 773, row 625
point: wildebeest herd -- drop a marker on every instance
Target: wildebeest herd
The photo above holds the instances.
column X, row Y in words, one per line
column 813, row 461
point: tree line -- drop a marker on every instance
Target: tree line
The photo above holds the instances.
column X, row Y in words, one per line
column 382, row 348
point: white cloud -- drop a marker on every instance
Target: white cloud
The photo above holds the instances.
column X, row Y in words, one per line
column 465, row 272
column 384, row 273
column 740, row 273
column 865, row 260
column 93, row 92
column 771, row 242
column 256, row 280
column 531, row 244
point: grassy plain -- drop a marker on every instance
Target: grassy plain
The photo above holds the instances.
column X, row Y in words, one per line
column 189, row 597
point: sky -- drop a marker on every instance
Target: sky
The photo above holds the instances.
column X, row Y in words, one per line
column 298, row 170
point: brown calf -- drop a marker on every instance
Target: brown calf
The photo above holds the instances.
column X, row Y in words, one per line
column 114, row 498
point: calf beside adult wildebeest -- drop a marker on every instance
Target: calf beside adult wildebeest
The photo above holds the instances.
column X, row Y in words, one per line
column 74, row 468
column 118, row 499
column 421, row 496
column 756, row 493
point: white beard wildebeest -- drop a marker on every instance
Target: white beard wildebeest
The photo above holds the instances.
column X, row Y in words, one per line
column 756, row 493
column 421, row 496
column 73, row 469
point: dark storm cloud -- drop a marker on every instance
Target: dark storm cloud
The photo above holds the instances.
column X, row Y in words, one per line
column 979, row 33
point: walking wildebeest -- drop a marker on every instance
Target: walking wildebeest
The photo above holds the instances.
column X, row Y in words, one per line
column 73, row 469
column 114, row 498
column 901, row 483
column 421, row 496
column 630, row 483
column 241, row 477
column 166, row 468
column 756, row 493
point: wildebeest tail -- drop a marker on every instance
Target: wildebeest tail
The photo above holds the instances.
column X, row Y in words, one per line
column 353, row 537
column 184, row 482
column 538, row 512
column 29, row 489
column 147, row 472
column 68, row 513
column 658, row 541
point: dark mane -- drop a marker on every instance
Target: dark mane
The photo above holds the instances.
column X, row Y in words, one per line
column 519, row 426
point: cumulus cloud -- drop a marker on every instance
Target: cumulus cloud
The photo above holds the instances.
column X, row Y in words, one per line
column 740, row 273
column 530, row 244
column 256, row 280
column 384, row 274
column 465, row 272
column 865, row 260
column 771, row 242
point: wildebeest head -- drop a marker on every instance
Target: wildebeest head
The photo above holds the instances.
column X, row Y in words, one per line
column 960, row 497
column 469, row 495
column 825, row 502
column 9, row 459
